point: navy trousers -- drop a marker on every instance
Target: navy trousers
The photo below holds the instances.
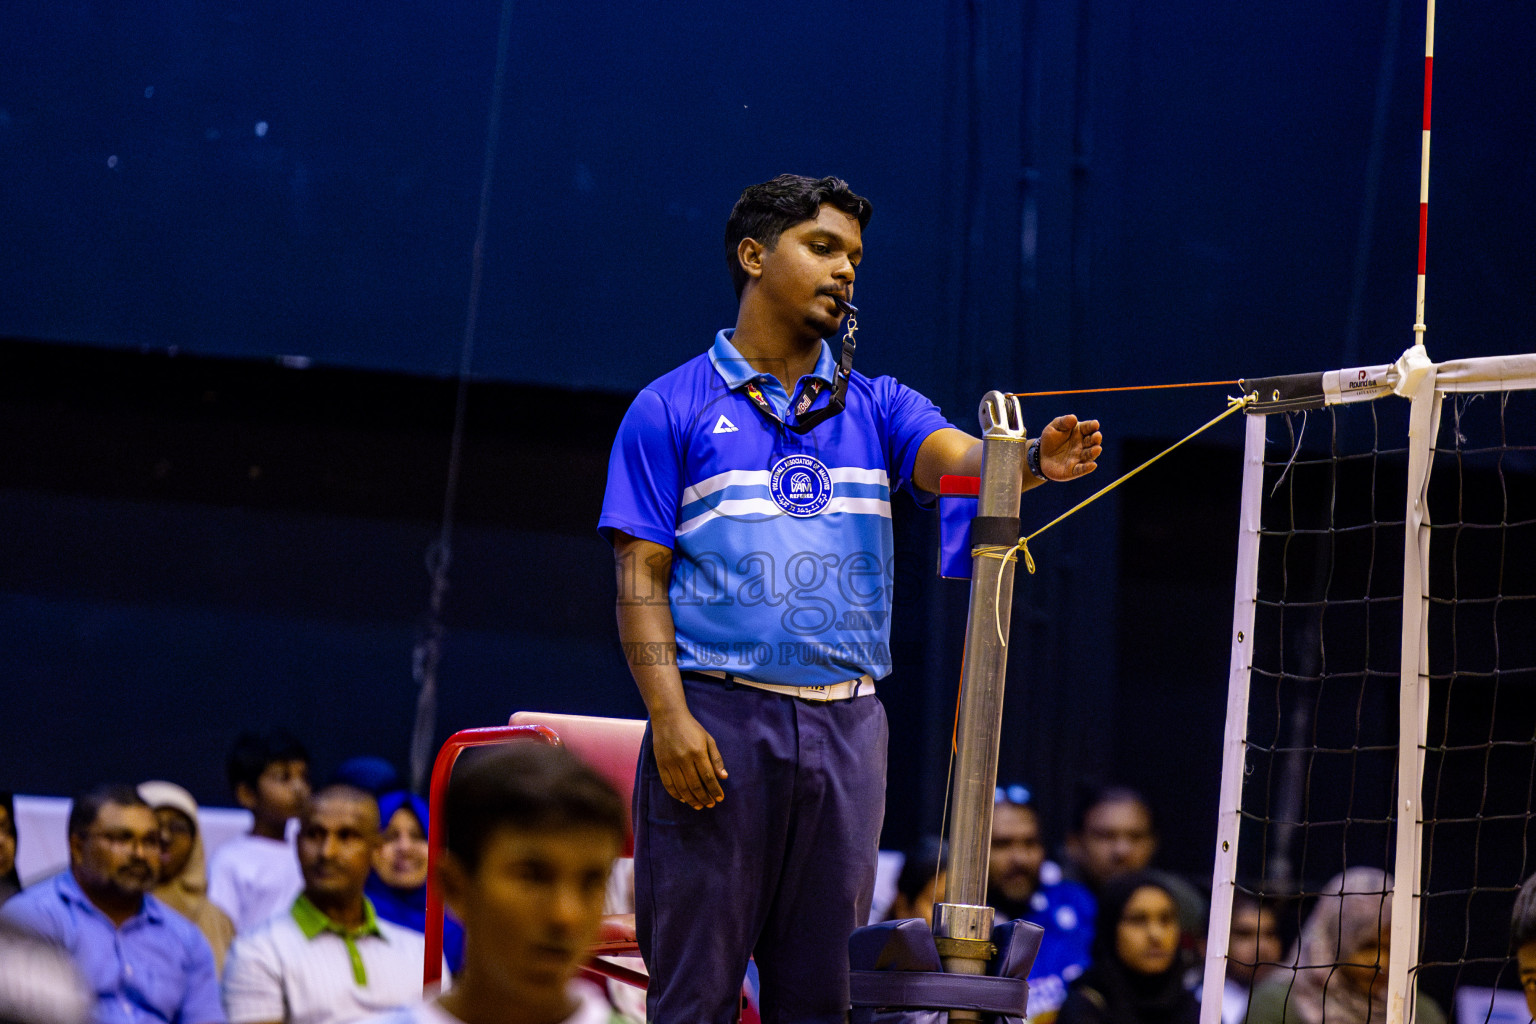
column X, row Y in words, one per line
column 782, row 869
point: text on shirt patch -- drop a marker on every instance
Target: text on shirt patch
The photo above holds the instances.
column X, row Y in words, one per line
column 800, row 485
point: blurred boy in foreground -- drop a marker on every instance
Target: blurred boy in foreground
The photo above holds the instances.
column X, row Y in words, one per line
column 532, row 834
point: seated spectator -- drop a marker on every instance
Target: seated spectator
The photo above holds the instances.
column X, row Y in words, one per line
column 10, row 881
column 921, row 881
column 1338, row 970
column 182, row 871
column 1522, row 933
column 1253, row 953
column 144, row 962
column 1114, row 833
column 532, row 834
column 1014, row 889
column 329, row 959
column 255, row 876
column 398, row 883
column 1136, row 976
column 39, row 984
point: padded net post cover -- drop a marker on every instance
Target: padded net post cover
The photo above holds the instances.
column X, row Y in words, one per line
column 1283, row 394
column 895, row 977
column 958, row 497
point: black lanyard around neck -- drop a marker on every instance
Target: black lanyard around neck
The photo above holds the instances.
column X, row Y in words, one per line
column 806, row 421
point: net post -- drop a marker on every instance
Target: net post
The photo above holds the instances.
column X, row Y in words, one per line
column 1234, row 740
column 1413, row 696
column 1413, row 705
column 962, row 923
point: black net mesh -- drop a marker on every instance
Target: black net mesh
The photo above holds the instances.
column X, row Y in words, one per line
column 1319, row 793
column 1480, row 750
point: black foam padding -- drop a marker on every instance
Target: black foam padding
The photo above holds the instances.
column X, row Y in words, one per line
column 905, row 945
column 994, row 531
column 1285, row 394
column 927, row 990
column 1018, row 943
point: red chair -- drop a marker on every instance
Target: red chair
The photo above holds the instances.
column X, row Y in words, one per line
column 611, row 746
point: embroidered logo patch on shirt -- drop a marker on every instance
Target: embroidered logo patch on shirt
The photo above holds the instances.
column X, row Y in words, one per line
column 800, row 485
column 724, row 426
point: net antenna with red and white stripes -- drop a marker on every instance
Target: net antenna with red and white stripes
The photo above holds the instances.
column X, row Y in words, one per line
column 1382, row 686
column 1429, row 82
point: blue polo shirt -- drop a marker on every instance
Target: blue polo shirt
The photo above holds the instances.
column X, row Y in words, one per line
column 1066, row 911
column 782, row 555
column 155, row 969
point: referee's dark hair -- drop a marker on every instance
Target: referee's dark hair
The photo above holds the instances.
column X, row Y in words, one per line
column 1522, row 922
column 764, row 211
column 527, row 786
column 86, row 807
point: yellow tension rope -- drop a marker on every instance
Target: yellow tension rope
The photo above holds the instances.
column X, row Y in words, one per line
column 1010, row 553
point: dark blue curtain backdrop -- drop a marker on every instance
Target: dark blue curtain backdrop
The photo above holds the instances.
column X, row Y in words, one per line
column 197, row 533
column 1202, row 188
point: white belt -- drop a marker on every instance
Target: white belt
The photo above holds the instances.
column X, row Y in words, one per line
column 863, row 686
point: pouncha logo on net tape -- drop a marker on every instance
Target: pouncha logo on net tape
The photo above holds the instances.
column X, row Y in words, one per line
column 800, row 485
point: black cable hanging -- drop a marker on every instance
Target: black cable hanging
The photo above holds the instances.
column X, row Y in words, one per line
column 428, row 650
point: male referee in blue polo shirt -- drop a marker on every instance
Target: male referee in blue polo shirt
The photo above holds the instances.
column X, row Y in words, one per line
column 752, row 534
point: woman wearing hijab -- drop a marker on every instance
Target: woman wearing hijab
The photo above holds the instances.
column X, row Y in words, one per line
column 184, row 868
column 1339, row 965
column 398, row 883
column 1135, row 976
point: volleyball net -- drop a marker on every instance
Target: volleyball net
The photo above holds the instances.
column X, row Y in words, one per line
column 1382, row 692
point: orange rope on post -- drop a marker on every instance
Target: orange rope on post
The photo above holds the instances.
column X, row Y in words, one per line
column 954, row 730
column 1138, row 387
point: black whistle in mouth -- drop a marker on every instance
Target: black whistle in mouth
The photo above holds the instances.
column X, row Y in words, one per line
column 844, row 305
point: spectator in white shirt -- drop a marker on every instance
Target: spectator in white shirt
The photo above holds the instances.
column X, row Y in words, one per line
column 329, row 959
column 255, row 876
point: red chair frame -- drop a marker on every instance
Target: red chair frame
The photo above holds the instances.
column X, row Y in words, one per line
column 617, row 937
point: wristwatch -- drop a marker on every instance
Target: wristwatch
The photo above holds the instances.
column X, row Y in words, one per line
column 1032, row 457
